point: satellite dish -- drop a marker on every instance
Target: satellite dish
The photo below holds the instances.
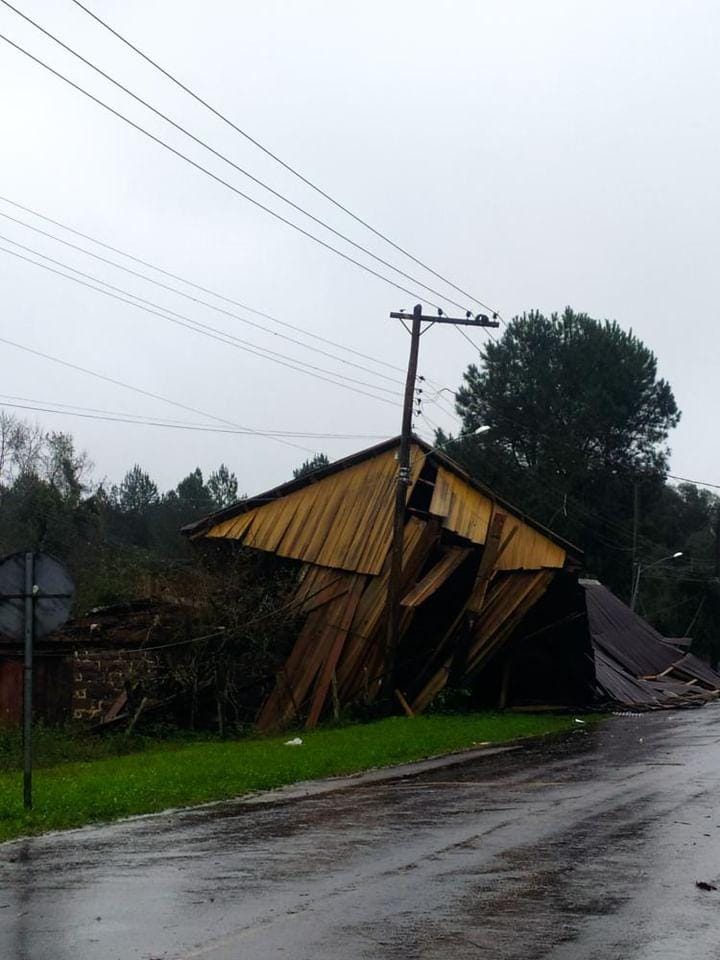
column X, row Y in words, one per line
column 53, row 590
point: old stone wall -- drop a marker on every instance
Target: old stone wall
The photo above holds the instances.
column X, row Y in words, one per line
column 100, row 675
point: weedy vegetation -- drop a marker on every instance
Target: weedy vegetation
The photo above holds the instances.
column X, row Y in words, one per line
column 82, row 779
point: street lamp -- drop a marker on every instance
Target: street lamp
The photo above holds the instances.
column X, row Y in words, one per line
column 478, row 431
column 461, row 436
column 640, row 569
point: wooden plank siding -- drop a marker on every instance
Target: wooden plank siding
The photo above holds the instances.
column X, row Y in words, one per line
column 467, row 512
column 338, row 525
column 437, row 575
column 343, row 521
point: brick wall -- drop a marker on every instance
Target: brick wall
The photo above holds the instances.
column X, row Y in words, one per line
column 100, row 675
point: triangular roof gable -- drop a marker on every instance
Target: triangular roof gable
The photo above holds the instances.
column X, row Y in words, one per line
column 339, row 518
column 300, row 527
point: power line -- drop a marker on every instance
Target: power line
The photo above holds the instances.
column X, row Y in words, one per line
column 672, row 579
column 225, row 183
column 197, row 300
column 672, row 606
column 614, row 526
column 113, row 416
column 197, row 286
column 468, row 338
column 278, row 160
column 146, row 393
column 699, row 483
column 203, row 289
column 225, row 159
column 195, row 325
column 620, row 528
column 442, row 403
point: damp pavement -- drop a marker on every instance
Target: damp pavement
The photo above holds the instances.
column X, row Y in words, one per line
column 588, row 846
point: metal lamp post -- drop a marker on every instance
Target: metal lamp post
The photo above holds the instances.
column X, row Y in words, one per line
column 640, row 569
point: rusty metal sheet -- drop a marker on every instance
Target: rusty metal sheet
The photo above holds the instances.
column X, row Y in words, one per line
column 53, row 689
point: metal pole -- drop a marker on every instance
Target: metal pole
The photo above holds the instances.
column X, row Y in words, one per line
column 403, row 479
column 636, row 517
column 28, row 678
column 636, row 584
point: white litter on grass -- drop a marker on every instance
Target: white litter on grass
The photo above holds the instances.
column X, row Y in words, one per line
column 295, row 742
column 579, row 721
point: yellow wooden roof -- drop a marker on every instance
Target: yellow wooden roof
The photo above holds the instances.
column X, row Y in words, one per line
column 341, row 517
column 343, row 520
column 467, row 512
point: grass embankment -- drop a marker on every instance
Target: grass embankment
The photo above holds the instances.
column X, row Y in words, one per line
column 176, row 773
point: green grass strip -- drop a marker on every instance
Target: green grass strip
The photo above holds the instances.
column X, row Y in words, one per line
column 174, row 774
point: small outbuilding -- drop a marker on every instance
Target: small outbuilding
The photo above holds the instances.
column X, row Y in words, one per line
column 474, row 568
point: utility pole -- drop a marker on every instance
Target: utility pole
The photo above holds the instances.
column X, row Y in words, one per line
column 635, row 562
column 403, row 474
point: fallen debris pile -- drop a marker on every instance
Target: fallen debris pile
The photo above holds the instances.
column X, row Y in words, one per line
column 634, row 664
column 473, row 567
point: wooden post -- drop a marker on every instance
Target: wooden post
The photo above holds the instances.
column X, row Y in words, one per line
column 488, row 561
column 505, row 683
column 335, row 697
column 403, row 703
column 403, row 479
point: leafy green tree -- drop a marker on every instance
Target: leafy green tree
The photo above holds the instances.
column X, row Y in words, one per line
column 571, row 396
column 189, row 500
column 21, row 446
column 192, row 494
column 64, row 468
column 137, row 491
column 578, row 415
column 223, row 487
column 311, row 465
column 682, row 597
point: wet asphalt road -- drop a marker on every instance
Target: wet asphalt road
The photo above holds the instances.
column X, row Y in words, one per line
column 587, row 847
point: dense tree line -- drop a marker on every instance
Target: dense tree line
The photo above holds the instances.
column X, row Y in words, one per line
column 110, row 536
column 579, row 423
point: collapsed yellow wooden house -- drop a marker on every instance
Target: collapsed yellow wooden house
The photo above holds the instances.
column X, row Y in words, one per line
column 473, row 569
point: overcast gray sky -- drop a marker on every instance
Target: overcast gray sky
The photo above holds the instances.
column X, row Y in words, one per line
column 538, row 154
